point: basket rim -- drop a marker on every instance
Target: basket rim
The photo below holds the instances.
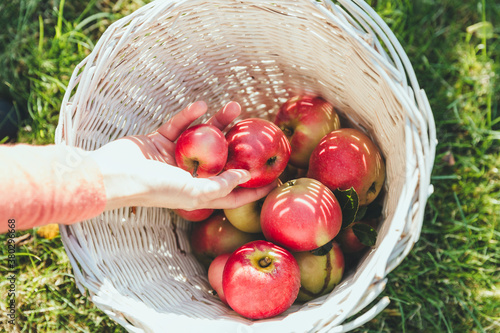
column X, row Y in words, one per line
column 395, row 67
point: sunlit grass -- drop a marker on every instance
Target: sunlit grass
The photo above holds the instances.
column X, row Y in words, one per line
column 43, row 44
column 448, row 283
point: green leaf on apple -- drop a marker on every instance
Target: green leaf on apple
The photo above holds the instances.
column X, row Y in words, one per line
column 349, row 204
column 361, row 213
column 322, row 250
column 366, row 234
column 373, row 211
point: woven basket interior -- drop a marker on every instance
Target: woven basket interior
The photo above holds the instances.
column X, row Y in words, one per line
column 152, row 64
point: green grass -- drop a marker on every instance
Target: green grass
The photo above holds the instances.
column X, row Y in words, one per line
column 41, row 45
column 450, row 282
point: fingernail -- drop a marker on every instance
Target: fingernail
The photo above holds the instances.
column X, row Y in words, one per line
column 233, row 107
column 201, row 103
column 198, row 105
column 245, row 177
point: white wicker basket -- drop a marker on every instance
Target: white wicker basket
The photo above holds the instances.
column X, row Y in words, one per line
column 149, row 65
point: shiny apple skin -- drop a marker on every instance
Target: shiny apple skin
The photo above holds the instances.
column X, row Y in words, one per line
column 246, row 217
column 259, row 146
column 201, row 150
column 215, row 275
column 301, row 215
column 196, row 215
column 319, row 274
column 305, row 120
column 347, row 158
column 257, row 292
column 215, row 236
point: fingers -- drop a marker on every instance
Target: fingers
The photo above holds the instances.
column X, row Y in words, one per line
column 181, row 121
column 241, row 196
column 220, row 192
column 164, row 147
column 225, row 116
column 223, row 184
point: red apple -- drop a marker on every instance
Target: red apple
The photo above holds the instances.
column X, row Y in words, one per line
column 216, row 236
column 215, row 275
column 348, row 240
column 301, row 215
column 259, row 146
column 194, row 215
column 201, row 150
column 319, row 273
column 305, row 120
column 261, row 280
column 347, row 158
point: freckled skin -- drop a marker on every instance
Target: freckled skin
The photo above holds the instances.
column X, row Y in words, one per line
column 305, row 120
column 301, row 215
column 347, row 158
column 259, row 146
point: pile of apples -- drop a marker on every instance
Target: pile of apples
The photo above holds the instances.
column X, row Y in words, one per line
column 290, row 246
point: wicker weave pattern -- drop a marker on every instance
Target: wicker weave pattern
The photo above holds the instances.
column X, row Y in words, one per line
column 151, row 64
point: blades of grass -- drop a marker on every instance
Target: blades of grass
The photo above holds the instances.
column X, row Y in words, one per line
column 466, row 308
column 442, row 317
column 49, row 78
column 403, row 319
column 62, row 298
column 437, row 304
column 41, row 34
column 484, row 40
column 444, row 177
column 91, row 18
column 27, row 254
column 459, row 206
column 44, row 309
column 80, row 38
column 59, row 20
column 89, row 6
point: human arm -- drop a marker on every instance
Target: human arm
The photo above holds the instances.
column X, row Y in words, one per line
column 65, row 184
column 48, row 184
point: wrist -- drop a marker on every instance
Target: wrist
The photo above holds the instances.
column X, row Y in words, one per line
column 117, row 182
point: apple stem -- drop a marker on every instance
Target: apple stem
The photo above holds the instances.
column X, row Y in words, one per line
column 287, row 131
column 195, row 170
column 373, row 188
column 271, row 160
column 264, row 262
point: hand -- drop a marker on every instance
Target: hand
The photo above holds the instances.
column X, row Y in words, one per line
column 141, row 170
